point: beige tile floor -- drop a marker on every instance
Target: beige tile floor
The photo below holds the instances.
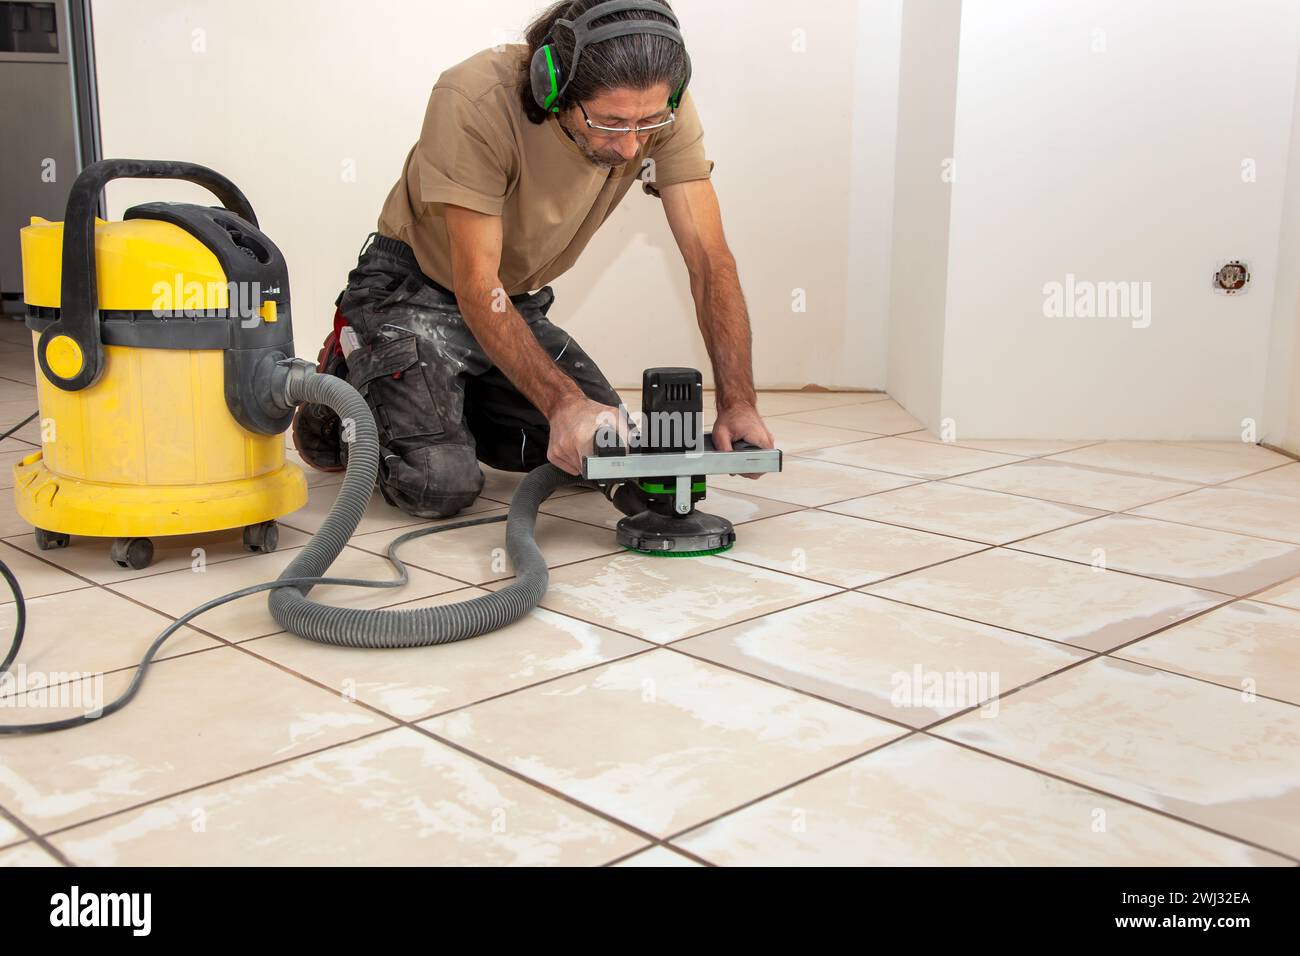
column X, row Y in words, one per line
column 919, row 652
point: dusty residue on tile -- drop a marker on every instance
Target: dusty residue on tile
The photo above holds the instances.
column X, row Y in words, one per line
column 413, row 683
column 1201, row 752
column 224, row 713
column 406, row 798
column 663, row 599
column 1231, row 563
column 1049, row 598
column 972, row 513
column 867, row 652
column 1250, row 647
column 899, row 806
column 841, row 549
column 661, row 740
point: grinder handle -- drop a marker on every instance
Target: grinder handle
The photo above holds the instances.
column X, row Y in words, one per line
column 606, row 442
column 75, row 334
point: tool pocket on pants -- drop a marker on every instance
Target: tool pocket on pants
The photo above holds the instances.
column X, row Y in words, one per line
column 395, row 378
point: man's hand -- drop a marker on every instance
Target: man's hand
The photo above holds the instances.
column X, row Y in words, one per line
column 573, row 427
column 740, row 421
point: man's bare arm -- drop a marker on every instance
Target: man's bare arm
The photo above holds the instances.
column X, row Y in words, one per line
column 504, row 335
column 493, row 318
column 696, row 222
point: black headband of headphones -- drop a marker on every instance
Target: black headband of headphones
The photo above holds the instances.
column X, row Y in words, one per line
column 584, row 36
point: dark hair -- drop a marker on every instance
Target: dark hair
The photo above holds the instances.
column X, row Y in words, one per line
column 638, row 61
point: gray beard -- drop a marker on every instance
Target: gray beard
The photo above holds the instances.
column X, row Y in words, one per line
column 584, row 144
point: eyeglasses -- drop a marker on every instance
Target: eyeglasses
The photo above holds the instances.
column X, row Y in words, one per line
column 624, row 130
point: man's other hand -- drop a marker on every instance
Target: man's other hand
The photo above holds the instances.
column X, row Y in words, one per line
column 740, row 422
column 574, row 427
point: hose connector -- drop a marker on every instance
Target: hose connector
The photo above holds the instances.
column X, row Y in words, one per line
column 288, row 379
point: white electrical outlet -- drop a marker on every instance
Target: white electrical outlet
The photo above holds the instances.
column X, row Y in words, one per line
column 1232, row 278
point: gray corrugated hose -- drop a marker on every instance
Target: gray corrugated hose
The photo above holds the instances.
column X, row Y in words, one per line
column 400, row 627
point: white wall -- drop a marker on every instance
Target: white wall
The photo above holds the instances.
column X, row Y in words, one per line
column 280, row 96
column 919, row 275
column 1124, row 164
column 1281, row 426
column 863, row 355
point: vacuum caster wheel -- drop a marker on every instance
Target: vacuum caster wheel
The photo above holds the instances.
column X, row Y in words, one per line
column 133, row 553
column 261, row 537
column 48, row 540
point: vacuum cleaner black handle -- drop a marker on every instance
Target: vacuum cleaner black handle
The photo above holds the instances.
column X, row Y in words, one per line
column 78, row 351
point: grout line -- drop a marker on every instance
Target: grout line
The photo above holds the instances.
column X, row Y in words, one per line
column 1044, row 454
column 1041, row 637
column 853, row 587
column 1082, row 519
column 1203, row 527
column 402, row 528
column 1111, row 654
column 87, row 582
column 790, row 786
column 1278, row 450
column 802, row 692
column 506, row 577
column 157, row 572
column 60, row 830
column 436, row 714
column 1149, row 576
column 1254, row 595
column 123, row 669
column 660, row 844
column 1052, row 501
column 1101, row 514
column 803, row 456
column 32, row 836
column 539, row 785
column 1118, row 797
column 640, row 652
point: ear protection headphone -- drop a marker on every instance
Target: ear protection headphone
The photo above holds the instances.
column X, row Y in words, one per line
column 550, row 77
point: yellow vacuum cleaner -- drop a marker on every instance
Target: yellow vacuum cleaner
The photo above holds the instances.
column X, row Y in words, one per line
column 149, row 336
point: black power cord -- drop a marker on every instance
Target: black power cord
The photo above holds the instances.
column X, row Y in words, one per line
column 20, row 626
column 126, row 696
column 20, row 424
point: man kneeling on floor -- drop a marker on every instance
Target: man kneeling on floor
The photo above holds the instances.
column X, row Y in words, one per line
column 525, row 151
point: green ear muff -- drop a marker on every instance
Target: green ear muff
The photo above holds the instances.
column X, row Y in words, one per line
column 675, row 100
column 545, row 78
column 553, row 93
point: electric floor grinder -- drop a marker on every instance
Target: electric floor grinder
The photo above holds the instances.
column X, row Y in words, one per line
column 167, row 420
column 669, row 457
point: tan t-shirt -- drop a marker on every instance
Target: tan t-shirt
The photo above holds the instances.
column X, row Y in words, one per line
column 477, row 149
